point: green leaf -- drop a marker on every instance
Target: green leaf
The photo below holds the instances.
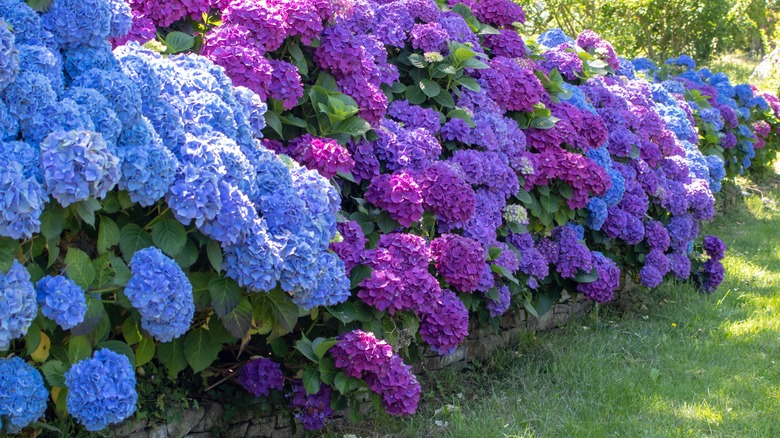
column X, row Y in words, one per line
column 54, row 372
column 121, row 271
column 587, row 277
column 108, row 234
column 504, row 272
column 414, row 95
column 52, row 221
column 131, row 239
column 304, row 346
column 311, row 380
column 386, row 223
column 463, row 54
column 239, row 320
column 550, row 204
column 171, row 354
column 344, row 312
column 79, row 267
column 199, row 350
column 119, row 347
column 179, row 42
column 79, row 349
column 469, row 83
column 494, row 252
column 285, row 311
column 322, row 345
column 170, row 236
column 475, row 64
column 225, row 295
column 444, row 98
column 354, row 126
column 96, row 312
column 200, row 288
column 430, row 88
column 32, row 339
column 144, row 352
column 39, row 5
column 358, row 274
column 131, row 332
column 418, row 60
column 272, row 120
column 188, row 256
column 214, row 253
column 634, row 154
column 85, row 210
column 8, row 248
column 344, row 384
column 524, row 197
column 327, row 370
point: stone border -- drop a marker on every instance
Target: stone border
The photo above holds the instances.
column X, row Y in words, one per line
column 200, row 422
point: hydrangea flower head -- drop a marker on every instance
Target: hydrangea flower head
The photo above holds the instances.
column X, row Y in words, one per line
column 18, row 306
column 23, row 396
column 260, row 376
column 62, row 301
column 311, row 409
column 460, row 260
column 162, row 294
column 101, row 390
column 77, row 165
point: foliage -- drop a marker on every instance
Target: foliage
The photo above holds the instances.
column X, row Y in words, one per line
column 418, row 169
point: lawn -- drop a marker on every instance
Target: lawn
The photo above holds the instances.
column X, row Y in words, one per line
column 679, row 363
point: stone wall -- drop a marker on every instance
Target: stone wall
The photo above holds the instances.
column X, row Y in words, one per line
column 209, row 421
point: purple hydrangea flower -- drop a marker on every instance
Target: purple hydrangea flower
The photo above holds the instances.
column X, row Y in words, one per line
column 260, row 376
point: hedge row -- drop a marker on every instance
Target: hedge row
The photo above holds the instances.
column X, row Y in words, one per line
column 301, row 197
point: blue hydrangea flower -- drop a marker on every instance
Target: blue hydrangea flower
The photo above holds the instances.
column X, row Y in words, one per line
column 93, row 104
column 331, row 285
column 626, row 68
column 117, row 88
column 121, row 18
column 194, row 194
column 101, row 390
column 81, row 59
column 78, row 22
column 28, row 94
column 29, row 157
column 148, row 168
column 554, row 38
column 644, row 64
column 235, row 219
column 9, row 57
column 206, row 111
column 162, row 294
column 23, row 197
column 22, row 394
column 62, row 301
column 239, row 171
column 256, row 263
column 17, row 304
column 272, row 174
column 682, row 60
column 9, row 126
column 65, row 115
column 39, row 59
column 597, row 213
column 744, row 92
column 712, row 115
column 717, row 172
column 250, row 115
column 26, row 24
column 77, row 166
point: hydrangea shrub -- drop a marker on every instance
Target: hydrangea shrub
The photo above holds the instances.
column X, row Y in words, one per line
column 296, row 199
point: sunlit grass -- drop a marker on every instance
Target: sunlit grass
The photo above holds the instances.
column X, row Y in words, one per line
column 683, row 364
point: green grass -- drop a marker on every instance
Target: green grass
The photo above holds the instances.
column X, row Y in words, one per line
column 682, row 364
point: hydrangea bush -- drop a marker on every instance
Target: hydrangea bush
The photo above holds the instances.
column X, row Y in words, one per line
column 299, row 198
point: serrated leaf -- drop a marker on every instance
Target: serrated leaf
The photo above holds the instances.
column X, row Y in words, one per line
column 225, row 295
column 96, row 311
column 52, row 221
column 587, row 277
column 108, row 234
column 188, row 256
column 79, row 349
column 358, row 274
column 179, row 42
column 327, row 370
column 8, row 248
column 33, row 338
column 322, row 345
column 171, row 354
column 429, row 87
column 170, row 236
column 214, row 253
column 119, row 347
column 444, row 98
column 131, row 332
column 504, row 272
column 285, row 311
column 144, row 352
column 199, row 350
column 85, row 210
column 39, row 5
column 304, row 346
column 79, row 268
column 469, row 83
column 239, row 320
column 386, row 223
column 311, row 380
column 131, row 239
column 54, row 372
column 272, row 120
column 494, row 252
column 122, row 273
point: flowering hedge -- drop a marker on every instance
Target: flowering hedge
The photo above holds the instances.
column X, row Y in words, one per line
column 301, row 197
